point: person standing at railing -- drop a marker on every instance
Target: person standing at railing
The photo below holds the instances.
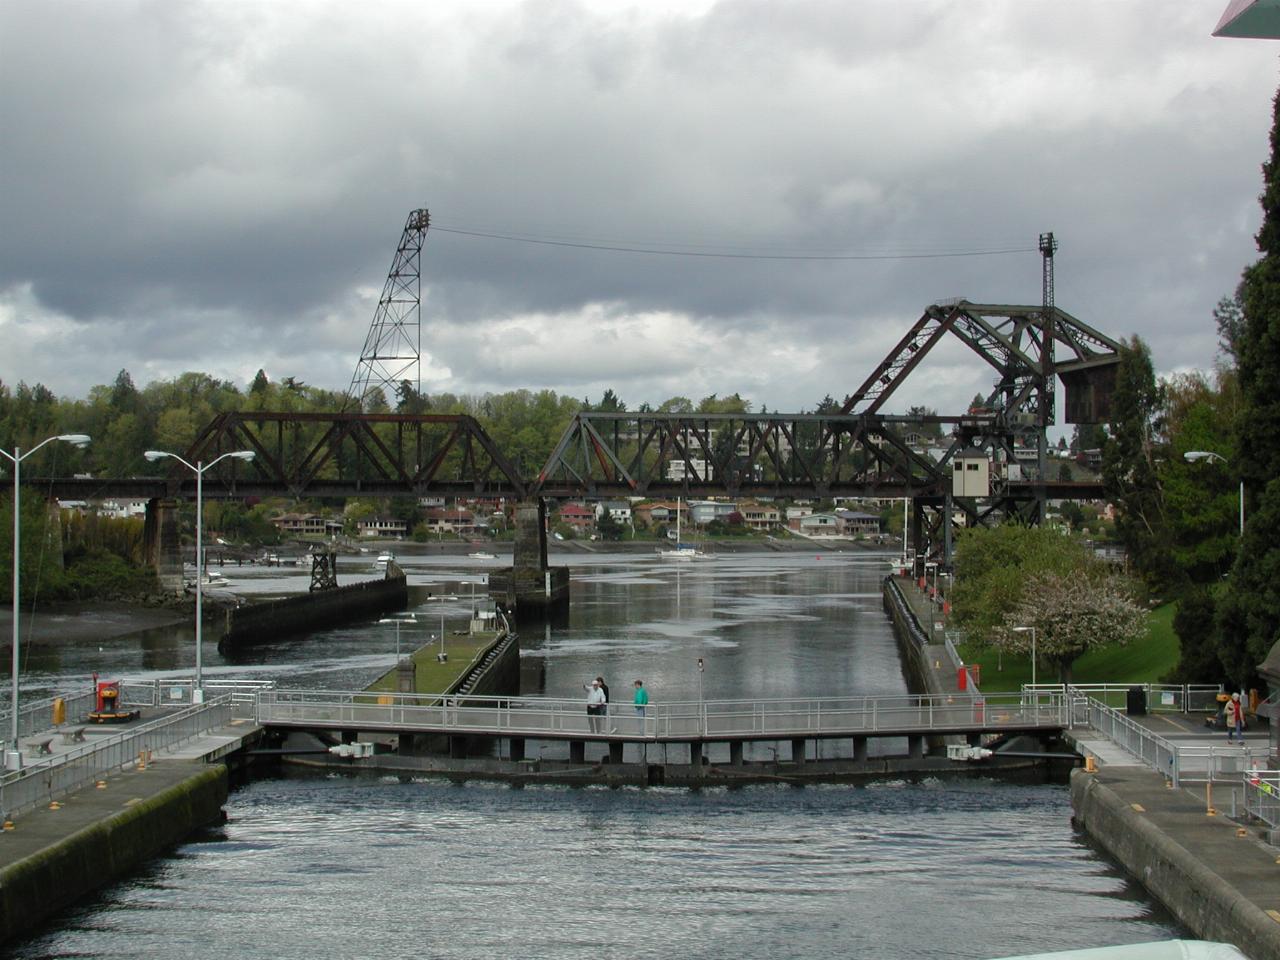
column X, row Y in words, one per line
column 642, row 698
column 1233, row 714
column 595, row 706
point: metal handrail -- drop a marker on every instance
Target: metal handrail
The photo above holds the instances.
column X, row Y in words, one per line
column 1180, row 763
column 708, row 719
column 47, row 778
column 1157, row 697
column 1262, row 795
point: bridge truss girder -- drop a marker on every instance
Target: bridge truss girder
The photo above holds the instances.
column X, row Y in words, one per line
column 353, row 454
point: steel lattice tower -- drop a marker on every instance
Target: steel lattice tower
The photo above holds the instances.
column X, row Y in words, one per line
column 393, row 348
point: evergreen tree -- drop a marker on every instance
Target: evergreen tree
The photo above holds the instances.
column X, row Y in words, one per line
column 1129, row 466
column 1249, row 613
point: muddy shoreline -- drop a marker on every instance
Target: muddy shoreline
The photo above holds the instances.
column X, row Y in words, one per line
column 69, row 624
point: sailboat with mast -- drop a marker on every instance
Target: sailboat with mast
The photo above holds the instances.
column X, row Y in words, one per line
column 682, row 552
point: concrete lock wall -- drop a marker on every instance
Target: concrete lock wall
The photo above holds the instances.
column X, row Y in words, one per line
column 1187, row 887
column 909, row 636
column 324, row 608
column 38, row 887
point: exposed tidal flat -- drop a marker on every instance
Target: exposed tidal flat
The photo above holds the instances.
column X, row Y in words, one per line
column 313, row 865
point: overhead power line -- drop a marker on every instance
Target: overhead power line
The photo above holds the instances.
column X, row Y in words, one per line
column 725, row 255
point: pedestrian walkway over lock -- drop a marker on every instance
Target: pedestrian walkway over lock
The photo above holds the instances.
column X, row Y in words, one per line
column 686, row 721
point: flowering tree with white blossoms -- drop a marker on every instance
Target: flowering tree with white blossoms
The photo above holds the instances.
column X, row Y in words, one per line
column 1072, row 613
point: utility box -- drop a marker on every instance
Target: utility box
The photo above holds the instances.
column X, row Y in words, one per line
column 1136, row 702
column 971, row 474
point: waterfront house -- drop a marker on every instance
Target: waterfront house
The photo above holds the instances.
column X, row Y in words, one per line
column 619, row 511
column 702, row 512
column 383, row 527
column 450, row 520
column 759, row 516
column 306, row 525
column 578, row 516
column 660, row 512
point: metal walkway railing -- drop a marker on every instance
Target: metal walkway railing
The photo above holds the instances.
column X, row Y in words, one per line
column 680, row 721
column 44, row 779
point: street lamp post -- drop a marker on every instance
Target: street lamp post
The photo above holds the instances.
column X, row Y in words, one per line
column 442, row 657
column 79, row 440
column 397, row 623
column 1194, row 456
column 197, row 694
column 1032, row 631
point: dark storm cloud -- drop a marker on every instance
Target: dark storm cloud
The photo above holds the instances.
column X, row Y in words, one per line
column 221, row 186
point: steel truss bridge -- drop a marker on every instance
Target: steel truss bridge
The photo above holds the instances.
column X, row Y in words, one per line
column 857, row 451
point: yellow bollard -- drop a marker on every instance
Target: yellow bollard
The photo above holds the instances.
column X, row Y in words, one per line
column 142, row 759
column 8, row 825
column 1208, row 799
column 1090, row 764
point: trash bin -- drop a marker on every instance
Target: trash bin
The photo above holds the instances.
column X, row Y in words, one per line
column 1136, row 702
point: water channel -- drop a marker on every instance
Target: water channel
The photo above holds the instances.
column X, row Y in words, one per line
column 335, row 866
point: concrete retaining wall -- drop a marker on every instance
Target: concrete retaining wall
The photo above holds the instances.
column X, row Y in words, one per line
column 500, row 676
column 324, row 608
column 37, row 887
column 1190, row 890
column 910, row 638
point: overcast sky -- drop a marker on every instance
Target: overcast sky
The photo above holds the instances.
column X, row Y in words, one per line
column 221, row 186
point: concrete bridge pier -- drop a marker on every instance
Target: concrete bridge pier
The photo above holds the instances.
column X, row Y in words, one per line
column 162, row 543
column 915, row 747
column 577, row 751
column 735, row 753
column 860, row 749
column 797, row 750
column 515, row 749
column 536, row 591
column 615, row 751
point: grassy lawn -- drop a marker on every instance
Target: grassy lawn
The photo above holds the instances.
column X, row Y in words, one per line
column 433, row 676
column 1143, row 662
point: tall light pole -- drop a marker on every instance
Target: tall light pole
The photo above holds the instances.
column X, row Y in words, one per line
column 1032, row 631
column 197, row 695
column 1194, row 456
column 442, row 657
column 79, row 439
column 397, row 623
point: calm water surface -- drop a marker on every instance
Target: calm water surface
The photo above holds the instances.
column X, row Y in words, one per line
column 360, row 867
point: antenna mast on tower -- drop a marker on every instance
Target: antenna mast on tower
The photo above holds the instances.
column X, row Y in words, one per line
column 393, row 347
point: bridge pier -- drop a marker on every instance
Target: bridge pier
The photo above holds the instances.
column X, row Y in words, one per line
column 536, row 591
column 735, row 753
column 915, row 747
column 162, row 543
column 797, row 750
column 515, row 749
column 577, row 751
column 615, row 751
column 860, row 749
